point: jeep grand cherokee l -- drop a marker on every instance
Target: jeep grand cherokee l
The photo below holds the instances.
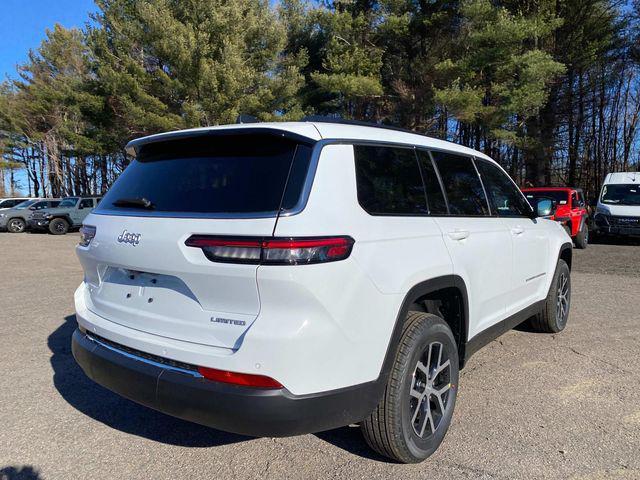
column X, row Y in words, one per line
column 279, row 279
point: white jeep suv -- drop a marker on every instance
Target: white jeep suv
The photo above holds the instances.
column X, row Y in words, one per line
column 285, row 278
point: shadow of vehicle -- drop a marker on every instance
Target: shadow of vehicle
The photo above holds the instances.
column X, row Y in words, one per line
column 25, row 472
column 350, row 439
column 600, row 239
column 117, row 412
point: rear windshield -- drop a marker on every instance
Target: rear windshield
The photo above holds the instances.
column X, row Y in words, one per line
column 561, row 197
column 221, row 174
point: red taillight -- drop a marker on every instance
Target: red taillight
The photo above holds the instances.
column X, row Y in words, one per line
column 272, row 251
column 243, row 379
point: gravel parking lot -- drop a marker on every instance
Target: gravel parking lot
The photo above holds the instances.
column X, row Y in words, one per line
column 529, row 405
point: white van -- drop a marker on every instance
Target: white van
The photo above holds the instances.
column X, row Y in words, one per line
column 286, row 278
column 618, row 210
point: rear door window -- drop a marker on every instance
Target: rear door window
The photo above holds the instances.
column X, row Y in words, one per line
column 232, row 174
column 389, row 181
column 462, row 185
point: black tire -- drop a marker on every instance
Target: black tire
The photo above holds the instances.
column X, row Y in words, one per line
column 550, row 320
column 16, row 225
column 58, row 226
column 582, row 238
column 393, row 428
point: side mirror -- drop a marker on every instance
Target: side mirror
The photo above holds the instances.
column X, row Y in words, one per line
column 545, row 207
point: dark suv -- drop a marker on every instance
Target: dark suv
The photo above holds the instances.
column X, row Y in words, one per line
column 69, row 214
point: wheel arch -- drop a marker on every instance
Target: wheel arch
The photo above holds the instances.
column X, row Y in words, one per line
column 449, row 289
column 566, row 253
column 65, row 217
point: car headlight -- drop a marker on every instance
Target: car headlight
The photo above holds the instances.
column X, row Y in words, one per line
column 47, row 216
column 2, row 215
column 603, row 211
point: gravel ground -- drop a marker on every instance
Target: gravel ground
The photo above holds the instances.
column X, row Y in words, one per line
column 530, row 405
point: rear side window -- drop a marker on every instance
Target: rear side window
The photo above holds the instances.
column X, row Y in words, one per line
column 86, row 203
column 389, row 181
column 462, row 185
column 216, row 174
column 435, row 197
column 506, row 200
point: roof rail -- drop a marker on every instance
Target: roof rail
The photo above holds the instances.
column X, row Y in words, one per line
column 360, row 123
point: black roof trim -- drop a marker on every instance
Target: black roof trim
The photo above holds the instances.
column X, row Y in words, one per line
column 358, row 123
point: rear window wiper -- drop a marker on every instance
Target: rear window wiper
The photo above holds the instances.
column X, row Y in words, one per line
column 134, row 203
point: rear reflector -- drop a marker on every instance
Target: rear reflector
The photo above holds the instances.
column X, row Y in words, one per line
column 273, row 251
column 243, row 379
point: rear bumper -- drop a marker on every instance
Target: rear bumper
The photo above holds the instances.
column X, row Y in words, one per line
column 248, row 411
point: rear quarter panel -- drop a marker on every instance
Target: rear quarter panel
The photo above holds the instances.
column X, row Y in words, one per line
column 354, row 303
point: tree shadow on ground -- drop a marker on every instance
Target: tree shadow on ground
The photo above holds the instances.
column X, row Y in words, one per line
column 24, row 472
column 117, row 412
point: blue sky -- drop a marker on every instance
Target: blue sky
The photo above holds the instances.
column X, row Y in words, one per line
column 24, row 23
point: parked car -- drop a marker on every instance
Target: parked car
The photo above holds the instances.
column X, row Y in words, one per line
column 618, row 209
column 279, row 279
column 6, row 203
column 69, row 214
column 14, row 220
column 571, row 210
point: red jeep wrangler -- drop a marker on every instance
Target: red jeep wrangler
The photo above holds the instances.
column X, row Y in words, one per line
column 571, row 210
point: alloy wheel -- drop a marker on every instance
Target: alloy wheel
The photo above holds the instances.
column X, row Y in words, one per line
column 16, row 226
column 563, row 296
column 430, row 390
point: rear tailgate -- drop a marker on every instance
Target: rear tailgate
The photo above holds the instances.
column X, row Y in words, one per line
column 138, row 270
column 163, row 287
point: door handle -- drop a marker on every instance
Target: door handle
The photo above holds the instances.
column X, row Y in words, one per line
column 517, row 230
column 459, row 234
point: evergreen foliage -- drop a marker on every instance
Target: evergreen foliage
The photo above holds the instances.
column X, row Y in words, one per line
column 547, row 87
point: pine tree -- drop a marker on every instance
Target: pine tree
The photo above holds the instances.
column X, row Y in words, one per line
column 167, row 64
column 499, row 77
column 343, row 75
